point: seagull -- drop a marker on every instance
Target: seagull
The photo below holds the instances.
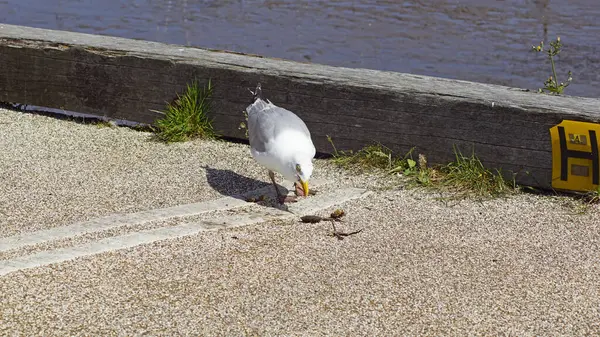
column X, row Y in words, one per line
column 280, row 142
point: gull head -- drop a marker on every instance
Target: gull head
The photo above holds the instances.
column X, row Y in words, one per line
column 301, row 169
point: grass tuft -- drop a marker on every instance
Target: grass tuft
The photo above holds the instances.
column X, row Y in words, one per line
column 244, row 125
column 370, row 157
column 105, row 124
column 188, row 116
column 592, row 197
column 466, row 176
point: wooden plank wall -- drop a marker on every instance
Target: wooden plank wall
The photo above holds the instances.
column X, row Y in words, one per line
column 508, row 128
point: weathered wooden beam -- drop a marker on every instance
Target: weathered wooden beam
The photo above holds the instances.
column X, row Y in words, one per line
column 120, row 78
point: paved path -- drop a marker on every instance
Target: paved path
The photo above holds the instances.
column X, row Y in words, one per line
column 104, row 232
column 135, row 238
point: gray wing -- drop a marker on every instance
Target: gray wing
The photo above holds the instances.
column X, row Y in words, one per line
column 266, row 120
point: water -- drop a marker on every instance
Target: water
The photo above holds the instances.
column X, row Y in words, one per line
column 476, row 40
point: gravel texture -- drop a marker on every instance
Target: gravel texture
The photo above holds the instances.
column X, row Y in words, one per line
column 524, row 265
column 55, row 172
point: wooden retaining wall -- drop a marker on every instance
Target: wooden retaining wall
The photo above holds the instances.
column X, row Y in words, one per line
column 120, row 78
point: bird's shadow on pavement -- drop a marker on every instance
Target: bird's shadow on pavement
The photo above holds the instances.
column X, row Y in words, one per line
column 232, row 184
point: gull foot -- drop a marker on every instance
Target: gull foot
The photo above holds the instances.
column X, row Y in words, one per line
column 298, row 190
column 286, row 199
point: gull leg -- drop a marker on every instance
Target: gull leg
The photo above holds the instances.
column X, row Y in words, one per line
column 280, row 198
column 272, row 176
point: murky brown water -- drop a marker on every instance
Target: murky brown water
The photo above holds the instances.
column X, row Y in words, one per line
column 477, row 40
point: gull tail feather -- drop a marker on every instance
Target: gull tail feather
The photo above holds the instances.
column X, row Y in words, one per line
column 257, row 93
column 258, row 103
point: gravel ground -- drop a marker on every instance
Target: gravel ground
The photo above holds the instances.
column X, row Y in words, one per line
column 523, row 266
column 55, row 172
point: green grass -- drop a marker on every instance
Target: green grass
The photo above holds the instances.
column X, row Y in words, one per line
column 105, row 124
column 592, row 197
column 244, row 125
column 369, row 158
column 469, row 177
column 466, row 176
column 188, row 116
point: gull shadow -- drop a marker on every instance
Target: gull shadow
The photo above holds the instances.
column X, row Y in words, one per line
column 232, row 184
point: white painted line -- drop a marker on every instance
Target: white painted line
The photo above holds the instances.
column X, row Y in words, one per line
column 325, row 200
column 120, row 220
column 309, row 205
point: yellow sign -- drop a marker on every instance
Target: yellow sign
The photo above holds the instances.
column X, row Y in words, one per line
column 575, row 156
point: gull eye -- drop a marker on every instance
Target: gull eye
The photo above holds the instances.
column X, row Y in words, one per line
column 298, row 169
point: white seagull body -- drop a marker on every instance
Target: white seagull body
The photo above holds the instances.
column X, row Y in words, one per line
column 280, row 141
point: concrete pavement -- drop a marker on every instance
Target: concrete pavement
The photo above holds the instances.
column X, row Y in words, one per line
column 523, row 265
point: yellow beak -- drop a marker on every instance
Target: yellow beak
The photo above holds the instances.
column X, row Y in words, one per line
column 305, row 187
